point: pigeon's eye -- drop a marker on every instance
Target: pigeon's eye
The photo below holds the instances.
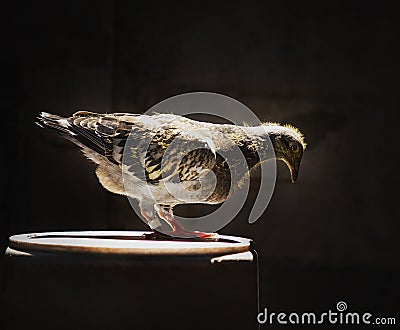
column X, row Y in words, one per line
column 293, row 147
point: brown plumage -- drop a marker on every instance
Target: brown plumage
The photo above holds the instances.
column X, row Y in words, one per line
column 166, row 150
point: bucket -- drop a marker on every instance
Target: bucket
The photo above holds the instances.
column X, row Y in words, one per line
column 123, row 280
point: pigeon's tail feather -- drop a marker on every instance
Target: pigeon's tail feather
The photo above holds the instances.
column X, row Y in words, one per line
column 78, row 134
column 60, row 124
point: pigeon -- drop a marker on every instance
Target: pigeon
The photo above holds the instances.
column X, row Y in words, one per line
column 163, row 160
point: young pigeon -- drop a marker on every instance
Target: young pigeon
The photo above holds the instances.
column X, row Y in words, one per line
column 159, row 181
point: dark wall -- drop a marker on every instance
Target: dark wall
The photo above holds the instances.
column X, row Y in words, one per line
column 328, row 69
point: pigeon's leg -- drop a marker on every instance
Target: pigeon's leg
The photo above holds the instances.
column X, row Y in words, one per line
column 166, row 214
column 147, row 211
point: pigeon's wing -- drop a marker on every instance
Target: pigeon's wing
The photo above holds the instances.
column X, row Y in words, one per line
column 158, row 147
column 173, row 155
column 169, row 147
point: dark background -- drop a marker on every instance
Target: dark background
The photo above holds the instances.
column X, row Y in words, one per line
column 329, row 69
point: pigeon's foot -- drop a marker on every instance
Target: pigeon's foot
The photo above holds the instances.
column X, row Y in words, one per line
column 156, row 235
column 177, row 231
column 182, row 235
column 188, row 234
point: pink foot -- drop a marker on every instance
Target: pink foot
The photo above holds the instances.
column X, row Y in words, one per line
column 188, row 234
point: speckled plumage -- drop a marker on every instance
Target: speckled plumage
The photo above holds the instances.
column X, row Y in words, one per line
column 103, row 138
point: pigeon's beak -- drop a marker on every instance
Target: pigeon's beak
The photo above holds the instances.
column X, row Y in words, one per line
column 294, row 169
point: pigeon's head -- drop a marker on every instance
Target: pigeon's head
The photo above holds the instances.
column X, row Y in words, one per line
column 289, row 146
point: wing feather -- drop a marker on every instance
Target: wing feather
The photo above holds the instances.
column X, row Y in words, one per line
column 172, row 150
